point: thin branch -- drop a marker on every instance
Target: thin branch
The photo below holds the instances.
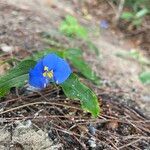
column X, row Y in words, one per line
column 37, row 103
column 129, row 144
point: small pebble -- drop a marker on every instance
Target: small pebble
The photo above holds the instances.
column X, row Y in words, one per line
column 92, row 129
column 6, row 48
column 25, row 124
column 92, row 142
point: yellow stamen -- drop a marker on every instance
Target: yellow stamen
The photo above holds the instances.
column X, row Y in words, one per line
column 50, row 74
column 47, row 73
column 45, row 68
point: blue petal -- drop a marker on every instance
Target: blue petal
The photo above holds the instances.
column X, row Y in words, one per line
column 62, row 71
column 36, row 78
column 50, row 61
column 39, row 66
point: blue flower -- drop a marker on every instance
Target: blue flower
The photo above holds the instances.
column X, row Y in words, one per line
column 104, row 24
column 49, row 69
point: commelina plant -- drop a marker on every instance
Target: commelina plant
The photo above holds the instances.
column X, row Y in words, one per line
column 53, row 69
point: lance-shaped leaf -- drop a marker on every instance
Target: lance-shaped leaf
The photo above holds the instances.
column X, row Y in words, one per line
column 145, row 77
column 16, row 77
column 74, row 89
column 76, row 59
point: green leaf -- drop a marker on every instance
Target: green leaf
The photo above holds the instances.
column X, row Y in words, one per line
column 76, row 59
column 16, row 77
column 127, row 16
column 71, row 28
column 74, row 89
column 93, row 47
column 71, row 20
column 141, row 13
column 70, row 52
column 145, row 77
column 137, row 22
